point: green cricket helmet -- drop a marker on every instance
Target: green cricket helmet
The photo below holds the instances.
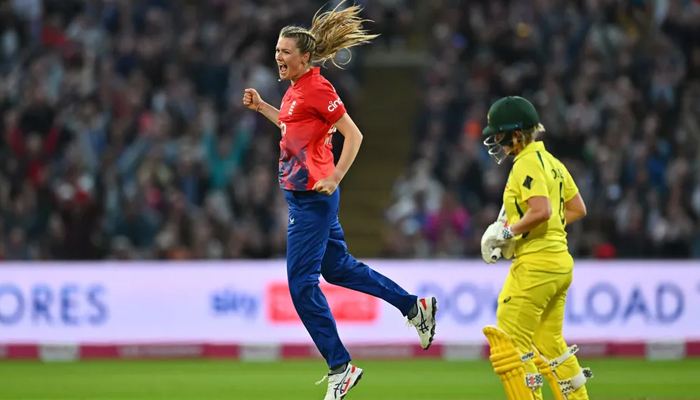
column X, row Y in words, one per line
column 505, row 116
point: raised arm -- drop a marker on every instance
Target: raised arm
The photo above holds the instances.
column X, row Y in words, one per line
column 253, row 101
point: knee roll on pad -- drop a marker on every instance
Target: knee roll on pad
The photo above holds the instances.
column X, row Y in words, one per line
column 561, row 388
column 508, row 365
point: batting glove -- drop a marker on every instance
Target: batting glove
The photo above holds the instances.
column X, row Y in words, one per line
column 505, row 234
column 489, row 242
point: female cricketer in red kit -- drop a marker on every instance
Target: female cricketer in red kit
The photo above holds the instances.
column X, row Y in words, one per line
column 310, row 114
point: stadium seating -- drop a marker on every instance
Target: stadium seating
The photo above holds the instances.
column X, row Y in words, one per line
column 617, row 85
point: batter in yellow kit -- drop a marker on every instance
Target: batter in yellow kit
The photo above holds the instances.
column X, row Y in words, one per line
column 540, row 198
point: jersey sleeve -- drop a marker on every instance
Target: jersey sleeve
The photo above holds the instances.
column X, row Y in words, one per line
column 528, row 176
column 326, row 102
column 570, row 188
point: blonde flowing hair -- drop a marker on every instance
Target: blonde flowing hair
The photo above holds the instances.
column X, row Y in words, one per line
column 330, row 32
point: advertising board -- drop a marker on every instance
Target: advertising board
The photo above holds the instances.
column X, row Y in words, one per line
column 248, row 302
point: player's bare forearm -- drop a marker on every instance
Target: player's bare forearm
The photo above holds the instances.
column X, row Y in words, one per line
column 270, row 112
column 575, row 209
column 353, row 140
column 539, row 212
column 530, row 221
column 572, row 216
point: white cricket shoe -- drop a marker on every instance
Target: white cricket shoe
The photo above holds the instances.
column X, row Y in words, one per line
column 340, row 384
column 424, row 321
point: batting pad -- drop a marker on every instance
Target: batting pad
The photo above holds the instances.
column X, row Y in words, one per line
column 561, row 388
column 508, row 365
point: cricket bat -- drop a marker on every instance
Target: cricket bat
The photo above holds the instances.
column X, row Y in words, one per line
column 502, row 221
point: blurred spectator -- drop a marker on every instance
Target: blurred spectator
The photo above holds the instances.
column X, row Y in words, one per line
column 450, row 219
column 617, row 85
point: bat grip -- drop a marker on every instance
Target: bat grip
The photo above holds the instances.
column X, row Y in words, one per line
column 495, row 254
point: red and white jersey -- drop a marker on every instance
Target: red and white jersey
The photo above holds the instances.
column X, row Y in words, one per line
column 307, row 114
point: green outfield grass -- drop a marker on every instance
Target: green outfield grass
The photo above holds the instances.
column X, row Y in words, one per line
column 383, row 380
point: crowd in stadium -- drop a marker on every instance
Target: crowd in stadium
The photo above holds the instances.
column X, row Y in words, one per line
column 123, row 135
column 120, row 137
column 617, row 86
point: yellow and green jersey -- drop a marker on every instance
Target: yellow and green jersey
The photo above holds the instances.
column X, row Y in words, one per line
column 536, row 172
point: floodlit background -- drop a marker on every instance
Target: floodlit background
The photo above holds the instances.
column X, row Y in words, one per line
column 140, row 216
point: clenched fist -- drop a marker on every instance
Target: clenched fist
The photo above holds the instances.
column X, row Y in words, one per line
column 326, row 186
column 252, row 99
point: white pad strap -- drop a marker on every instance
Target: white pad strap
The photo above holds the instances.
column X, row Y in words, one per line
column 570, row 385
column 534, row 381
column 559, row 360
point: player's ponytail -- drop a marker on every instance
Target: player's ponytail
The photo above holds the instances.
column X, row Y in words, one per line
column 331, row 31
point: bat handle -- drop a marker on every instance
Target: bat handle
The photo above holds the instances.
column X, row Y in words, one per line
column 495, row 254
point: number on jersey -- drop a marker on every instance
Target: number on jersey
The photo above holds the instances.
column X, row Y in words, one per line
column 559, row 174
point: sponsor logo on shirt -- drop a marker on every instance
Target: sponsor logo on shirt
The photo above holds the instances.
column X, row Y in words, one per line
column 333, row 105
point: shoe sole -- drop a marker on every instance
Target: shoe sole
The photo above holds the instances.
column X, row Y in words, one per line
column 359, row 377
column 432, row 331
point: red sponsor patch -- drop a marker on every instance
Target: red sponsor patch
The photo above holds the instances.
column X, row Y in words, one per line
column 346, row 305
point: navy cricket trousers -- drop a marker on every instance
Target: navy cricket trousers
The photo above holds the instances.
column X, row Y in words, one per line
column 316, row 246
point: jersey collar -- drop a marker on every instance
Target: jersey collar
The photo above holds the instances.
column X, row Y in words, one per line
column 313, row 71
column 531, row 148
